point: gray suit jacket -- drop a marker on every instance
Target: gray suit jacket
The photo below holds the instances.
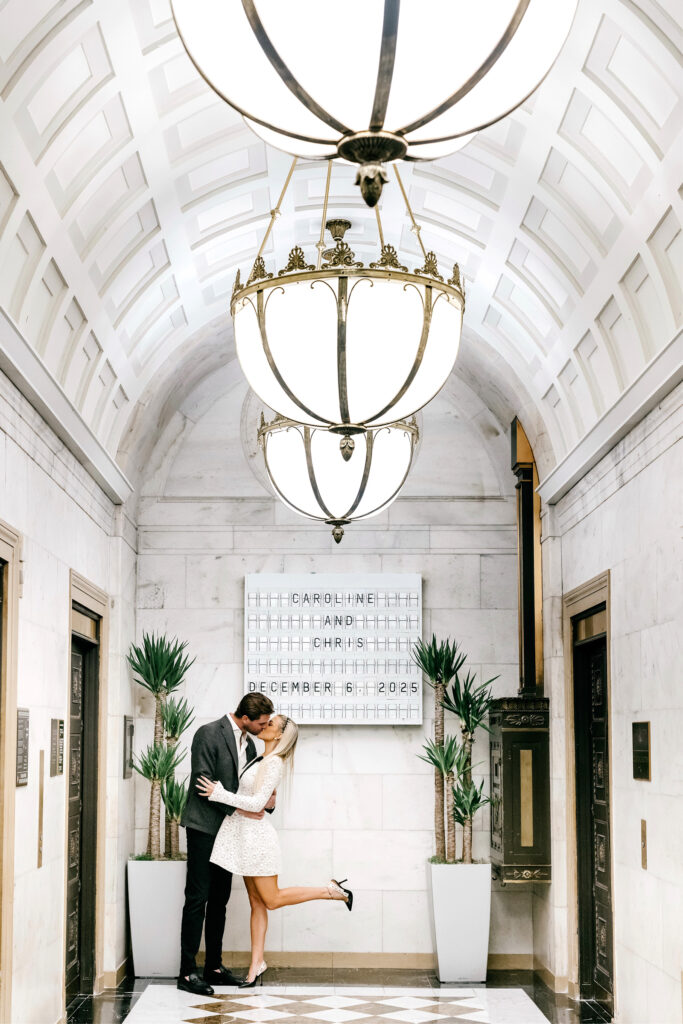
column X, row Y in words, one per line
column 214, row 755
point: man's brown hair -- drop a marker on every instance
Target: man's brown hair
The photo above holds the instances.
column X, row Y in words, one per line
column 253, row 705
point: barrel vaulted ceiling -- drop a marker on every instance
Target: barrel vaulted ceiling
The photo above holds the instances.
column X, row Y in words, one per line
column 130, row 194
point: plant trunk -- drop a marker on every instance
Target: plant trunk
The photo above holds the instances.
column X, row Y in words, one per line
column 467, row 841
column 174, row 844
column 467, row 738
column 450, row 820
column 154, row 840
column 439, row 831
column 168, row 835
column 158, row 724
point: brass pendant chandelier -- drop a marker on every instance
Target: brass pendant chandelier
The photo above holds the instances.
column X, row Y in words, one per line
column 473, row 64
column 340, row 345
column 337, row 484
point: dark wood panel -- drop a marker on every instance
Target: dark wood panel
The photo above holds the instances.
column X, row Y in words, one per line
column 591, row 718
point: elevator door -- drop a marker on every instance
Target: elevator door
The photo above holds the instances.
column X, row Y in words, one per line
column 591, row 718
column 82, row 819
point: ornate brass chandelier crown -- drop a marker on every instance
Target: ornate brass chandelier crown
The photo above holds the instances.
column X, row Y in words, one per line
column 340, row 345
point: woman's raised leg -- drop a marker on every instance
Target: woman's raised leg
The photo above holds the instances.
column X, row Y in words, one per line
column 259, row 927
column 273, row 897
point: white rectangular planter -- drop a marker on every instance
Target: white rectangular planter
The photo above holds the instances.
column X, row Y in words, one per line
column 461, row 905
column 156, row 893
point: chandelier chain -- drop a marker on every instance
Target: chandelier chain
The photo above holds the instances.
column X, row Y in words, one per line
column 321, row 241
column 275, row 212
column 415, row 226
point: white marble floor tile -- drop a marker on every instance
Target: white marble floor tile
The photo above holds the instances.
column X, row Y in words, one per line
column 164, row 1004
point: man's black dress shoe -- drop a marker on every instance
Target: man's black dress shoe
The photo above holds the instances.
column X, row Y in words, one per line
column 194, row 984
column 221, row 976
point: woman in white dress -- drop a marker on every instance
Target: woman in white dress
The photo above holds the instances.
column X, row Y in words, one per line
column 250, row 846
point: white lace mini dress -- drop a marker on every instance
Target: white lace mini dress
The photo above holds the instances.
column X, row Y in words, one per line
column 243, row 845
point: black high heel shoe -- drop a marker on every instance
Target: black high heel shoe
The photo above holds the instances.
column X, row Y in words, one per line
column 347, row 892
column 257, row 978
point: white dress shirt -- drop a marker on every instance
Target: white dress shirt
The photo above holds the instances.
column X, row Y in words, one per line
column 241, row 741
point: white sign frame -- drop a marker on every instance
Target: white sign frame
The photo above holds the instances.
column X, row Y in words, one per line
column 335, row 648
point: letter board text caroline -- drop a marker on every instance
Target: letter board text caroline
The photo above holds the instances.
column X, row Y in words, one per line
column 334, row 648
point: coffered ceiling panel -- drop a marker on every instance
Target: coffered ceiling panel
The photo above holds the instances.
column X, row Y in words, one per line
column 130, row 195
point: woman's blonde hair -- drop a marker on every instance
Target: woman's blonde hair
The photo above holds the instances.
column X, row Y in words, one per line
column 285, row 748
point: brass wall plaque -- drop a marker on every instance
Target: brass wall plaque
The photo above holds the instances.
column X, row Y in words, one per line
column 56, row 747
column 641, row 751
column 22, row 746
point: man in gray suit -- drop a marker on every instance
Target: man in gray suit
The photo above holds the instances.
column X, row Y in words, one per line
column 220, row 750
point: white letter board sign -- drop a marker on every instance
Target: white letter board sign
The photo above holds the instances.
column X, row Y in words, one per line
column 335, row 648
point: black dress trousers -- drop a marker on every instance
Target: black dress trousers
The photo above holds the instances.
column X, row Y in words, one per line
column 207, row 891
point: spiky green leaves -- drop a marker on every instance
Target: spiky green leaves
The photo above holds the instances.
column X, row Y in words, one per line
column 158, row 762
column 159, row 664
column 176, row 716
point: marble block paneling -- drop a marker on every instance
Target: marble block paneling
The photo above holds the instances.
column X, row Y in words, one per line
column 408, row 802
column 334, row 801
column 217, row 581
column 327, row 926
column 485, row 634
column 308, row 863
column 161, row 581
column 499, row 581
column 213, row 689
column 663, row 995
column 314, row 750
column 448, row 581
column 511, row 922
column 383, row 859
column 210, row 631
column 398, row 908
column 390, row 749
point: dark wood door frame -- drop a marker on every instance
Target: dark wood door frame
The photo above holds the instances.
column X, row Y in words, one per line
column 82, row 815
column 86, row 599
column 594, row 860
column 575, row 603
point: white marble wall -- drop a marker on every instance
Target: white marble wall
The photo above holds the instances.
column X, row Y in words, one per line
column 362, row 802
column 625, row 516
column 66, row 523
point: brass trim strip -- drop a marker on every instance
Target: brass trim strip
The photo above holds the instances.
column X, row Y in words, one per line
column 369, row 441
column 41, row 806
column 311, row 473
column 342, row 382
column 326, row 273
column 417, row 363
column 474, row 79
column 385, row 71
column 526, row 796
column 285, row 74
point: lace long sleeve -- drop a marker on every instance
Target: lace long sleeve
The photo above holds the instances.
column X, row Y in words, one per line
column 271, row 773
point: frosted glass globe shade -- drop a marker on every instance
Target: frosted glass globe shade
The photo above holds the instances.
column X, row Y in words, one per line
column 373, row 82
column 347, row 347
column 337, row 480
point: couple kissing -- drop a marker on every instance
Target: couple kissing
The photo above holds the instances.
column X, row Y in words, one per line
column 232, row 792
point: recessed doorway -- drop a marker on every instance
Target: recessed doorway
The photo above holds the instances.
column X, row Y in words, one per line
column 593, row 841
column 82, row 815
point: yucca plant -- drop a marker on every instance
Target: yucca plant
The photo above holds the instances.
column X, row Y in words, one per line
column 174, row 794
column 156, row 764
column 444, row 759
column 160, row 665
column 176, row 717
column 470, row 703
column 439, row 662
